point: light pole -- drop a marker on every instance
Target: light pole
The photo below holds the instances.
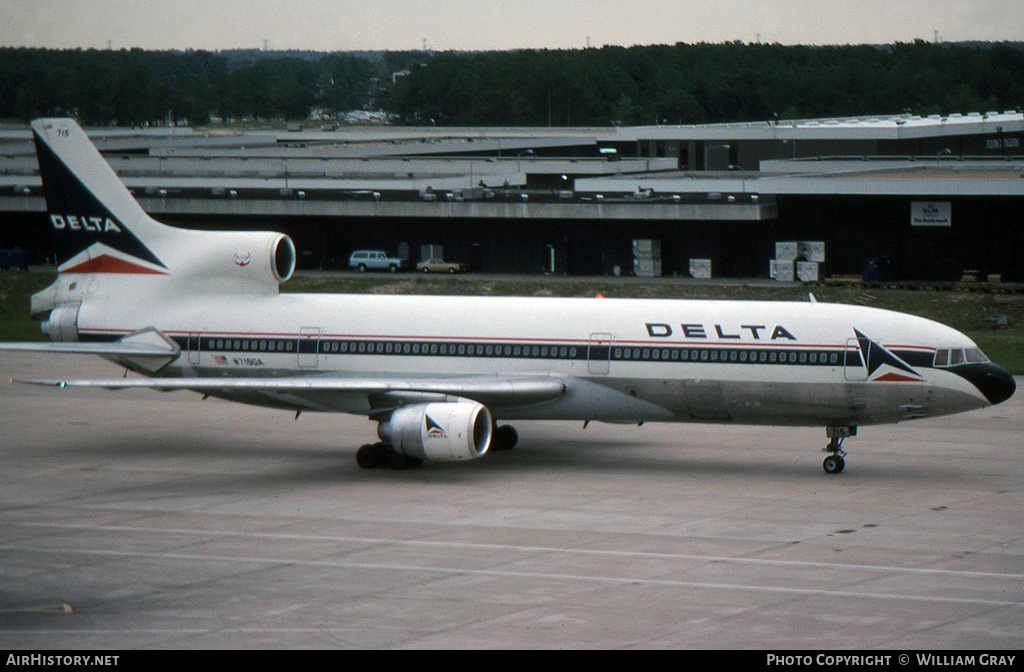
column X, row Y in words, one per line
column 285, row 166
column 519, row 156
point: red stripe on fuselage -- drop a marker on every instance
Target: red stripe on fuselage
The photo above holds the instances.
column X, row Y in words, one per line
column 896, row 377
column 107, row 264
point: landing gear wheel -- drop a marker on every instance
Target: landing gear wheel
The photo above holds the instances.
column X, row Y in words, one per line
column 372, row 455
column 377, row 455
column 833, row 464
column 504, row 438
column 400, row 461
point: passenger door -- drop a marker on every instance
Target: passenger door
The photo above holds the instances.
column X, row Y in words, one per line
column 854, row 366
column 309, row 347
column 599, row 353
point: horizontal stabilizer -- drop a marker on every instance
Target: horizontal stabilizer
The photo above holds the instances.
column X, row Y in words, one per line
column 116, row 349
column 148, row 342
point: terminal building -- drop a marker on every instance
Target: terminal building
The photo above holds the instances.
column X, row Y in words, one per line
column 882, row 198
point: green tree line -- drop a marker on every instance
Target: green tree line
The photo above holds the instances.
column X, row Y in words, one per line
column 133, row 87
column 673, row 84
column 708, row 83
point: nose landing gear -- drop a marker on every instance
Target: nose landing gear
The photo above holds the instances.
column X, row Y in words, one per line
column 834, row 462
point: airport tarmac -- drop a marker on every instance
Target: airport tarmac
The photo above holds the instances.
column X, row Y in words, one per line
column 165, row 521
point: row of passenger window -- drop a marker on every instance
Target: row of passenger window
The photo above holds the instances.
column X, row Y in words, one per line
column 394, row 348
column 249, row 344
column 451, row 349
column 732, row 355
column 827, row 358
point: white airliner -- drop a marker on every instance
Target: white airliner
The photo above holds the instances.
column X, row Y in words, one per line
column 201, row 311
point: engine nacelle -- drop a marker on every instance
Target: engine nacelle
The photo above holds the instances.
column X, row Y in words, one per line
column 262, row 258
column 440, row 431
column 62, row 323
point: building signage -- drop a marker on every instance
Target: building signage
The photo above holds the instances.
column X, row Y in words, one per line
column 930, row 213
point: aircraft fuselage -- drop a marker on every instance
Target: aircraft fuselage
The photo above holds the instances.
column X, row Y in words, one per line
column 782, row 363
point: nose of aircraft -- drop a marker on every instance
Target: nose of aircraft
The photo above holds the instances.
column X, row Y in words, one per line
column 995, row 382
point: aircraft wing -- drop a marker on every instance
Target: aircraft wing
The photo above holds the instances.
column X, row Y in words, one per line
column 150, row 350
column 317, row 392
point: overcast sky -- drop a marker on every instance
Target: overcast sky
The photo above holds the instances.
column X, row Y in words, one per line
column 327, row 25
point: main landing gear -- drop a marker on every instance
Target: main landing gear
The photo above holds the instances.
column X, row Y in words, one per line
column 834, row 462
column 380, row 454
column 504, row 437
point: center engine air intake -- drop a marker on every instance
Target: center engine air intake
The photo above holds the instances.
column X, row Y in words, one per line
column 282, row 258
column 441, row 431
column 254, row 259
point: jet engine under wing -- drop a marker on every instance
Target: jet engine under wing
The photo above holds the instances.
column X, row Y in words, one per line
column 383, row 394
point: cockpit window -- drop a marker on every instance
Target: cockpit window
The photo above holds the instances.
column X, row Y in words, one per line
column 945, row 357
column 975, row 356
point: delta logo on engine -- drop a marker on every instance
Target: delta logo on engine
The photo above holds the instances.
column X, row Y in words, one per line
column 434, row 430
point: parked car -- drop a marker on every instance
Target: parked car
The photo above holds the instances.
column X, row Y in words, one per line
column 375, row 260
column 440, row 266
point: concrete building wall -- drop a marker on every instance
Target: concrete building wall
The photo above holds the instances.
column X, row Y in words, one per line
column 722, row 208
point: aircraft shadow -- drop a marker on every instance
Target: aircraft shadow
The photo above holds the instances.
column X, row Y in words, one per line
column 253, row 464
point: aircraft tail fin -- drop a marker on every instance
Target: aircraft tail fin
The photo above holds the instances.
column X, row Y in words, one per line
column 113, row 249
column 98, row 225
